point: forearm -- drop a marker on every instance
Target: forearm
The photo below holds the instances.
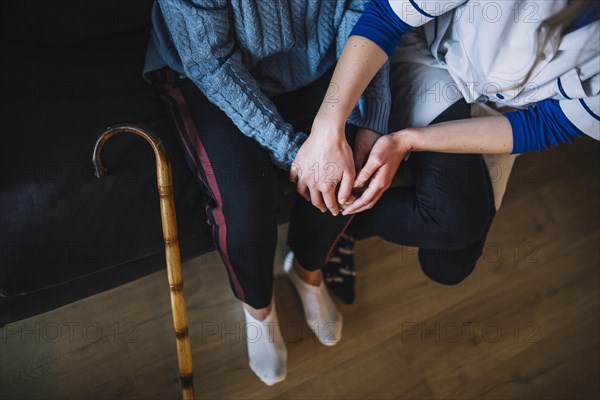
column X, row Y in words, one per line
column 535, row 128
column 359, row 62
column 373, row 108
column 492, row 135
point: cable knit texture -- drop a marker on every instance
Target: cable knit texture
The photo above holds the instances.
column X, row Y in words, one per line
column 240, row 53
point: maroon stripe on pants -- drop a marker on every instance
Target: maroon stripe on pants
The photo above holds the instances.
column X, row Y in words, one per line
column 328, row 255
column 190, row 132
column 180, row 131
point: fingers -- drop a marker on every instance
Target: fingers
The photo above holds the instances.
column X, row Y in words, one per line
column 345, row 188
column 302, row 190
column 362, row 201
column 351, row 199
column 321, row 189
column 321, row 195
column 294, row 172
column 372, row 165
column 369, row 204
column 369, row 198
column 330, row 199
column 316, row 199
column 311, row 195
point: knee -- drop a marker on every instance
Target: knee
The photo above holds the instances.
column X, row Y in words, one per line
column 459, row 203
column 469, row 226
column 449, row 267
column 461, row 223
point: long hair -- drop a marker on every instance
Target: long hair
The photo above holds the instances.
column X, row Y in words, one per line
column 554, row 25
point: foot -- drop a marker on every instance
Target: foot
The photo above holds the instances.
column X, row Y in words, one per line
column 321, row 314
column 339, row 272
column 266, row 347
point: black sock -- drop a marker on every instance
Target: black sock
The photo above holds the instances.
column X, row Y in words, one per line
column 339, row 272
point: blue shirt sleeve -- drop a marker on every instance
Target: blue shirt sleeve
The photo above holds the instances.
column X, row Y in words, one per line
column 540, row 127
column 380, row 24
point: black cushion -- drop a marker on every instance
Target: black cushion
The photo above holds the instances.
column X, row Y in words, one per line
column 64, row 233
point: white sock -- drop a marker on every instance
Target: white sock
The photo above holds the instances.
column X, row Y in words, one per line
column 320, row 311
column 266, row 348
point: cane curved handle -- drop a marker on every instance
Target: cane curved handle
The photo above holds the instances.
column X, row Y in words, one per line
column 169, row 225
column 163, row 167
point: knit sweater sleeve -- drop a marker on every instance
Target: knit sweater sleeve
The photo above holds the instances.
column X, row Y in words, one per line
column 201, row 34
column 373, row 108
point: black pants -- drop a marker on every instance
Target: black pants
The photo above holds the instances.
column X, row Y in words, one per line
column 240, row 185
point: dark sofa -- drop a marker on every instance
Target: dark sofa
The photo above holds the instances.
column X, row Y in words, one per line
column 70, row 69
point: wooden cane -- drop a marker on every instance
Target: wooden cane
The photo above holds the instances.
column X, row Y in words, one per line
column 169, row 225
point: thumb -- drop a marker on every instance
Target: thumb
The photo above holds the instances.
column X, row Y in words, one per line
column 367, row 171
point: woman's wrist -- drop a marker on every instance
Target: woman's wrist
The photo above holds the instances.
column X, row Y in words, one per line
column 407, row 140
column 331, row 125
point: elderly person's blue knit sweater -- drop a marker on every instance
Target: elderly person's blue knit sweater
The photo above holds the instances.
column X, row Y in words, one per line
column 240, row 53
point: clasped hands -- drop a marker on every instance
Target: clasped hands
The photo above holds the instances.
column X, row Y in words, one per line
column 334, row 178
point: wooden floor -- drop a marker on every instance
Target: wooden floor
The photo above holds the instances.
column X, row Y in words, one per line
column 525, row 325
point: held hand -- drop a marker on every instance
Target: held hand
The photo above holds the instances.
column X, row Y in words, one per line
column 363, row 143
column 324, row 161
column 379, row 170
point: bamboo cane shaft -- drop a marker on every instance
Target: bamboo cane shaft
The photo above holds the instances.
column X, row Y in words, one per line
column 172, row 255
column 174, row 274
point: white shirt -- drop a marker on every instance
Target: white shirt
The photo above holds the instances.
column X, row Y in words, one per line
column 488, row 47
